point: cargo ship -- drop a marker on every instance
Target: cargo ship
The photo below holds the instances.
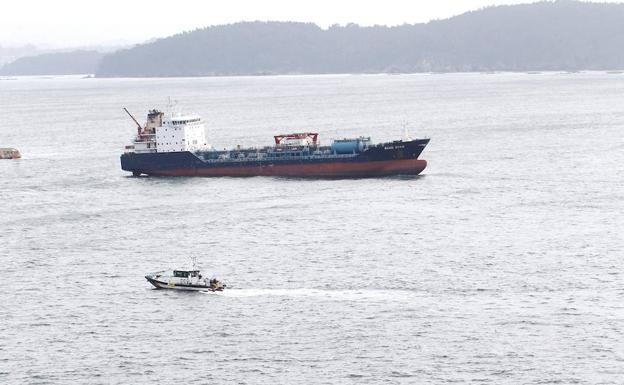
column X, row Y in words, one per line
column 175, row 144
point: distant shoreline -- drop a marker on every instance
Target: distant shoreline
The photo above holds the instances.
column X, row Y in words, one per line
column 92, row 76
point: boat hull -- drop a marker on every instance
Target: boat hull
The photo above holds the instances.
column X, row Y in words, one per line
column 399, row 158
column 171, row 286
column 324, row 170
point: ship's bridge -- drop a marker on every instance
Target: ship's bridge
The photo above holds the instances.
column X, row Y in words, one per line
column 181, row 132
column 172, row 132
column 178, row 119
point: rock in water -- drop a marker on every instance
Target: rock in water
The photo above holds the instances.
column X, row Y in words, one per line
column 9, row 153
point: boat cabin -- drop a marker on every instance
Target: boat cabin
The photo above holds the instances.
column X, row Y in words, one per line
column 185, row 273
column 169, row 132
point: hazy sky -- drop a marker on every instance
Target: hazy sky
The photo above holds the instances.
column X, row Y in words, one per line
column 64, row 23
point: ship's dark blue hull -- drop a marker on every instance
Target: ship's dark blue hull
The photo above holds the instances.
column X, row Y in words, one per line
column 392, row 158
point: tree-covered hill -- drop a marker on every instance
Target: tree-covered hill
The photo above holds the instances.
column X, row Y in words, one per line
column 560, row 35
column 548, row 35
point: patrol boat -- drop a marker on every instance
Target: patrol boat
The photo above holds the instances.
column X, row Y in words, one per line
column 184, row 279
column 175, row 144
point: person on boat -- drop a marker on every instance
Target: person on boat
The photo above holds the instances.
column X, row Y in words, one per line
column 215, row 284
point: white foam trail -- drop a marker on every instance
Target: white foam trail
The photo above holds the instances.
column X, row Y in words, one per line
column 339, row 295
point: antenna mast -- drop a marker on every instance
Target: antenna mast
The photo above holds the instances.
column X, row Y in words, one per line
column 405, row 132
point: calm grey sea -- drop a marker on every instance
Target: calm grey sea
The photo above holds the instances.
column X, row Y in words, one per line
column 501, row 264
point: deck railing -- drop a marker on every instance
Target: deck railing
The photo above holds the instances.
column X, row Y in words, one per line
column 278, row 158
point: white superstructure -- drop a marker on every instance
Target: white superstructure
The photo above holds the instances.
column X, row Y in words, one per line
column 171, row 132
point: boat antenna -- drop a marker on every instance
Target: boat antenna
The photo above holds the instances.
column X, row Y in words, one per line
column 405, row 123
column 172, row 106
column 139, row 128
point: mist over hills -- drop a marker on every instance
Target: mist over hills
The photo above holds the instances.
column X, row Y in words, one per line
column 549, row 35
column 58, row 63
column 9, row 54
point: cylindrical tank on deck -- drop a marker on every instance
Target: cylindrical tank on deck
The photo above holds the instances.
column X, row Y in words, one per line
column 349, row 146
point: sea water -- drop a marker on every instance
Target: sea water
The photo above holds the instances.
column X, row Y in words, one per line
column 501, row 263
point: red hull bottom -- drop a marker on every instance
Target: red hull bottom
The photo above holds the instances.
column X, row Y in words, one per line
column 322, row 170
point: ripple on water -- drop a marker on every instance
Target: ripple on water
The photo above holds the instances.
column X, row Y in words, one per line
column 500, row 264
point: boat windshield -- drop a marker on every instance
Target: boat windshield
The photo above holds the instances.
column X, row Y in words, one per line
column 180, row 274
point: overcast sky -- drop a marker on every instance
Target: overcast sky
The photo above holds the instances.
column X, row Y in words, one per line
column 70, row 23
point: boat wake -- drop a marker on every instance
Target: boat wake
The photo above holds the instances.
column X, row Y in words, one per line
column 330, row 294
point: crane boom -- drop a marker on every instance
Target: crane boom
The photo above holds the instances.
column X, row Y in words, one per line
column 139, row 128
